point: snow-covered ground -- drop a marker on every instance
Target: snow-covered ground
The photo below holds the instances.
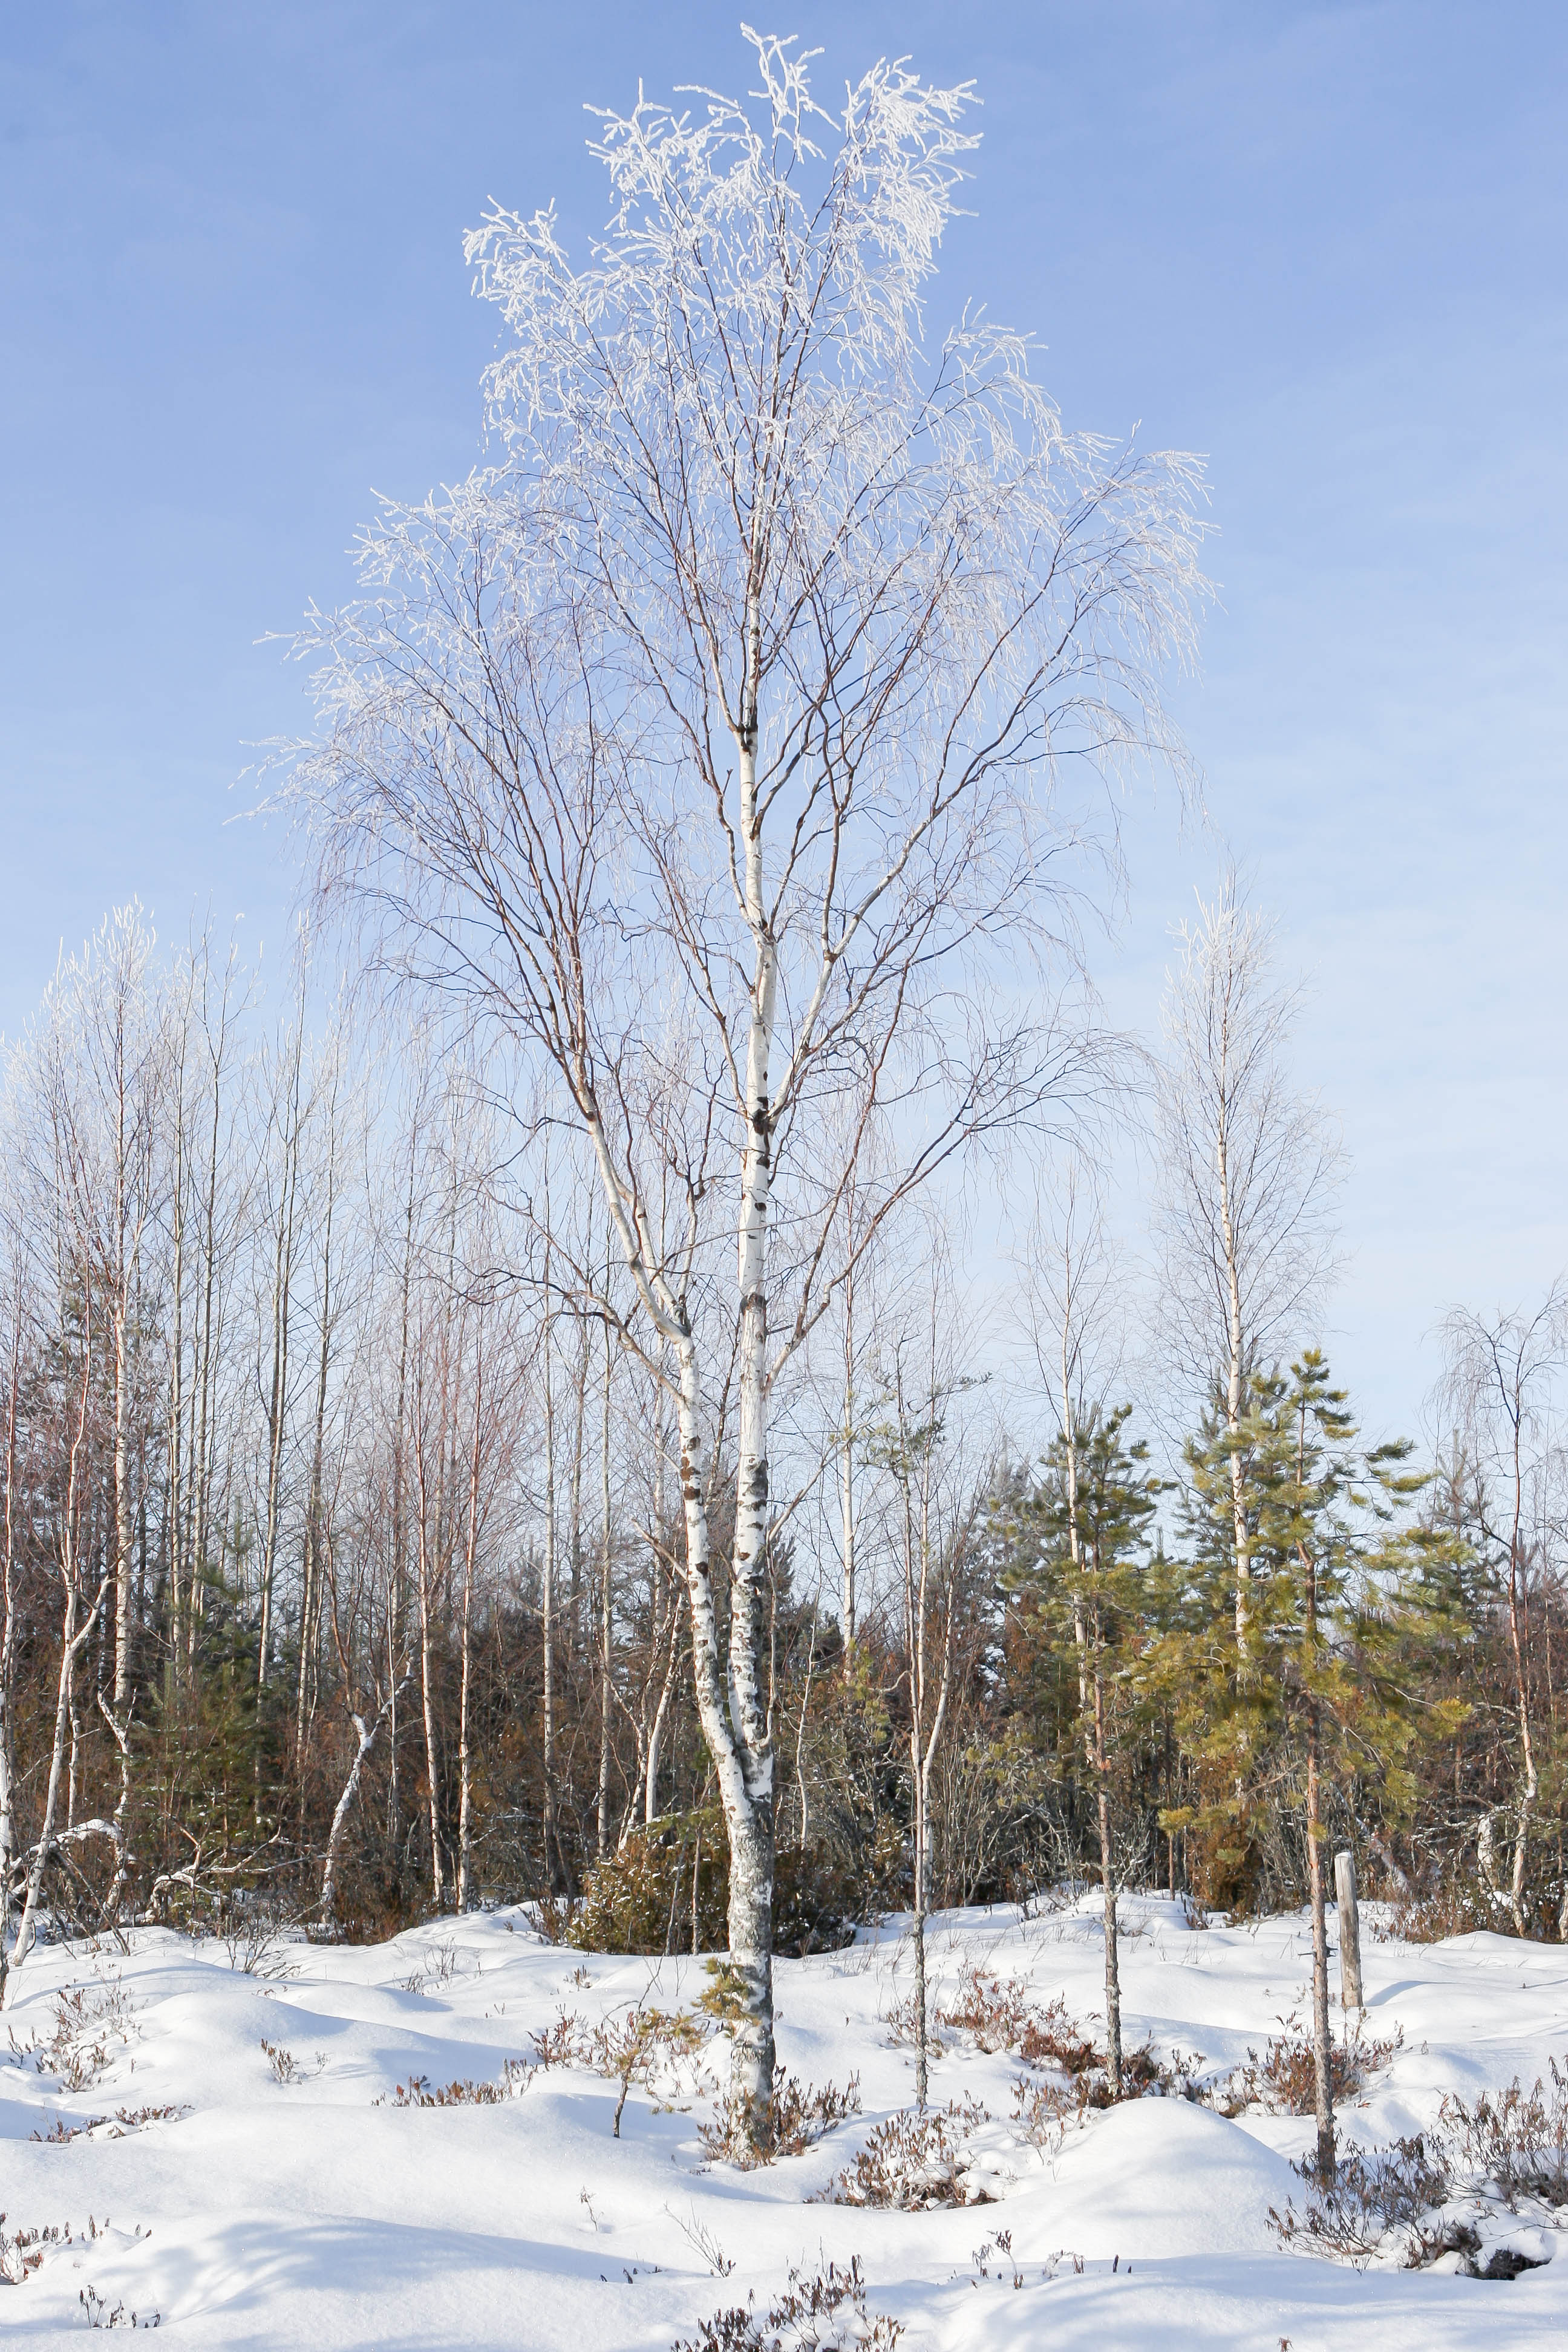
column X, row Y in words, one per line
column 300, row 2212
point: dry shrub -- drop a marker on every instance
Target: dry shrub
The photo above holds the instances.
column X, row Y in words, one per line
column 799, row 2116
column 416, row 2092
column 102, row 2314
column 88, row 2020
column 553, row 1915
column 1040, row 2113
column 1508, row 2145
column 1456, row 1907
column 23, row 2253
column 902, row 2019
column 439, row 1966
column 560, row 2042
column 1515, row 2140
column 123, row 2120
column 1053, row 2037
column 286, row 2068
column 916, row 2160
column 999, row 2014
column 1285, row 2079
column 657, row 2048
column 1371, row 2193
column 997, row 2011
column 825, row 2313
column 256, row 1943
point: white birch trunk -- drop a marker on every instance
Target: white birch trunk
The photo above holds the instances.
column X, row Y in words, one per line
column 76, row 1631
column 365, row 1736
column 749, row 1792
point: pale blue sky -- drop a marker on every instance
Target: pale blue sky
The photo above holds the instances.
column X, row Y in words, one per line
column 1323, row 244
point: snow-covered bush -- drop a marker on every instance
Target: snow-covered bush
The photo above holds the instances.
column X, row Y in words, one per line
column 658, row 2048
column 1516, row 2140
column 1284, row 2080
column 1372, row 2192
column 918, row 2160
column 825, row 2313
column 89, row 2019
column 999, row 2014
column 1452, row 2196
column 801, row 2114
column 417, row 2091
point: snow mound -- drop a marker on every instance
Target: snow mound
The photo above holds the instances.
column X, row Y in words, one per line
column 1155, row 2177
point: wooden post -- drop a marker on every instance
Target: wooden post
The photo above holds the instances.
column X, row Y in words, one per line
column 1349, row 1931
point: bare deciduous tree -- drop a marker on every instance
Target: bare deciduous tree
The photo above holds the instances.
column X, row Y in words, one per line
column 710, row 742
column 1074, row 1309
column 914, row 1445
column 1500, row 1393
column 1249, row 1168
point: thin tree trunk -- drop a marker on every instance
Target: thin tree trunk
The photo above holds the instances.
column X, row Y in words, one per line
column 123, row 1532
column 660, row 1714
column 277, row 1393
column 849, row 1601
column 73, row 1641
column 579, row 1448
column 8, row 1654
column 465, row 1768
column 310, row 1579
column 438, row 1882
column 735, row 1733
column 173, row 1504
column 365, row 1736
column 669, row 1630
column 119, row 1720
column 1515, row 1639
column 744, row 1779
column 922, row 2069
column 400, row 1498
column 205, row 1436
column 922, row 1745
column 1235, row 1368
column 800, row 1729
column 1107, row 1883
column 72, row 1782
column 1322, row 2044
column 554, row 1870
column 1348, row 1920
column 1092, row 1684
column 605, row 1616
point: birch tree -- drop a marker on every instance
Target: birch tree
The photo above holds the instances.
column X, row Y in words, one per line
column 1097, row 1496
column 1501, row 1392
column 912, row 1445
column 1249, row 1168
column 14, row 1436
column 709, row 741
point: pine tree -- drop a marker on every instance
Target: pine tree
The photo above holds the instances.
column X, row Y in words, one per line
column 1086, row 1522
column 1312, row 1699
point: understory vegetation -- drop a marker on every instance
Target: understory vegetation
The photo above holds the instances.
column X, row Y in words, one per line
column 398, row 1622
column 1452, row 2194
column 527, row 1431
